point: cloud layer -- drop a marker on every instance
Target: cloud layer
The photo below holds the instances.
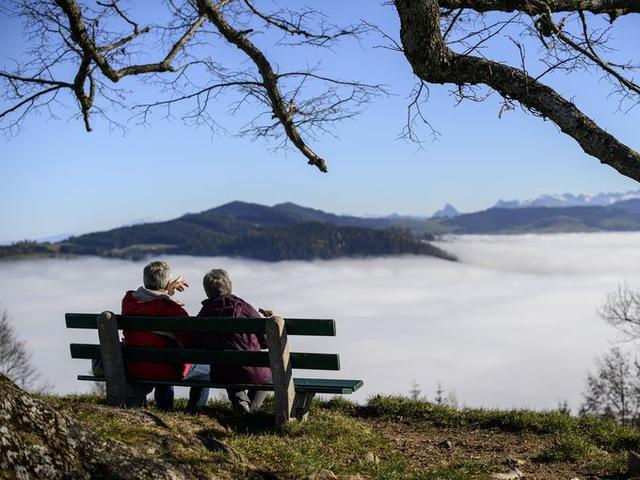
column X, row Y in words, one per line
column 513, row 324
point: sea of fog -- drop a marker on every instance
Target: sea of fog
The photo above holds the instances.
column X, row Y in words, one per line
column 514, row 323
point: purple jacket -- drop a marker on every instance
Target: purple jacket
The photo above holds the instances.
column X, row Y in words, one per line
column 232, row 306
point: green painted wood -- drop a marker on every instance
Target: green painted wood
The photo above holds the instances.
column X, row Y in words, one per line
column 317, row 385
column 310, row 361
column 295, row 326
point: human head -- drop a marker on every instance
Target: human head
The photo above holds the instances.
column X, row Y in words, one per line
column 216, row 283
column 156, row 275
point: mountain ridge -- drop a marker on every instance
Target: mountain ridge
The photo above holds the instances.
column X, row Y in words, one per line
column 288, row 231
column 601, row 199
column 247, row 230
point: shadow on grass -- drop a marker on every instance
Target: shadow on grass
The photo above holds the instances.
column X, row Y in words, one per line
column 243, row 423
column 261, row 422
column 155, row 419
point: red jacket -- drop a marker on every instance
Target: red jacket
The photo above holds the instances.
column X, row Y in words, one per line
column 138, row 338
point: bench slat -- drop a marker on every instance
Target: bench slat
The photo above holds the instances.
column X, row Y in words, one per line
column 295, row 326
column 317, row 385
column 310, row 361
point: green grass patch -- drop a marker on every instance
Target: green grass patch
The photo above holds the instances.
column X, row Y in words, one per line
column 569, row 448
column 328, row 440
column 573, row 448
column 72, row 399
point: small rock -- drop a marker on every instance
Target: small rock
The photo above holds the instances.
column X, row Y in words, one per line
column 516, row 462
column 512, row 475
column 323, row 474
column 354, row 476
column 372, row 458
column 445, row 444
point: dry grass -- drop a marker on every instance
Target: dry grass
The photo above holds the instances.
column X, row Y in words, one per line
column 388, row 438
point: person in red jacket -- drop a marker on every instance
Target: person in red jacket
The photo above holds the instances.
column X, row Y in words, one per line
column 155, row 298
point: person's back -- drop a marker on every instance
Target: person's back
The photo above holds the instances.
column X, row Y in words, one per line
column 232, row 306
column 154, row 298
column 220, row 302
column 148, row 302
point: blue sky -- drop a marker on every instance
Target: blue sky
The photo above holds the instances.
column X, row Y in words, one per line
column 56, row 178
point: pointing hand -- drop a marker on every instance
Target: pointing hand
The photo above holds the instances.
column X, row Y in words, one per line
column 178, row 284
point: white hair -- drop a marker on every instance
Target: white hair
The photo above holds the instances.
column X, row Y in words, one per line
column 156, row 275
column 217, row 283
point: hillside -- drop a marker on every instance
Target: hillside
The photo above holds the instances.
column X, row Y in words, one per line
column 238, row 229
column 291, row 232
column 387, row 438
column 621, row 216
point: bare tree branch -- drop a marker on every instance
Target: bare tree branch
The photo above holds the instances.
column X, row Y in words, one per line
column 434, row 62
column 590, row 53
column 40, row 81
column 445, row 42
column 621, row 309
column 281, row 110
column 30, row 100
column 15, row 360
column 81, row 36
column 610, row 7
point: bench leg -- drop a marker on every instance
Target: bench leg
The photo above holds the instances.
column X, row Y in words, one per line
column 136, row 395
column 281, row 372
column 111, row 352
column 301, row 405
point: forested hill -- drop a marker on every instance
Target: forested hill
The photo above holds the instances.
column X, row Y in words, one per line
column 620, row 216
column 283, row 232
column 290, row 232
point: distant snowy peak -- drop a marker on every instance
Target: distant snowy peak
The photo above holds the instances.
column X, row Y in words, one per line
column 447, row 211
column 570, row 200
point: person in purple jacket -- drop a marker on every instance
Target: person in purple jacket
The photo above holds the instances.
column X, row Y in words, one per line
column 220, row 302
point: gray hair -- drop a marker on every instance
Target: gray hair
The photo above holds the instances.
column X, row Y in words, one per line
column 156, row 275
column 217, row 283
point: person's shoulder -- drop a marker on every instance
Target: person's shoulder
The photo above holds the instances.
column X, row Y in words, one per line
column 161, row 306
column 128, row 301
column 128, row 294
column 247, row 308
column 236, row 298
column 173, row 307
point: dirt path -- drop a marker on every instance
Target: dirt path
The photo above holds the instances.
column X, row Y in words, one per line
column 475, row 452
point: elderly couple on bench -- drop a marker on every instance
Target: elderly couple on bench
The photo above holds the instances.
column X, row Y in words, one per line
column 155, row 297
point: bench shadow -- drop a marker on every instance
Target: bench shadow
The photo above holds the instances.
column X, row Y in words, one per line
column 155, row 419
column 210, row 439
column 261, row 422
column 238, row 423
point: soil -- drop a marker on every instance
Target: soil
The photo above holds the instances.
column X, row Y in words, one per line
column 430, row 448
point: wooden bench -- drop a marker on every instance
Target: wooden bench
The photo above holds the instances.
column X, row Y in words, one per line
column 292, row 395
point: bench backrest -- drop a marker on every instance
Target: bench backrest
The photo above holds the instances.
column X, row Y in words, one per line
column 294, row 326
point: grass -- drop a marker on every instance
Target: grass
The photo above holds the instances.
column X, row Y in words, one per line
column 600, row 433
column 569, row 448
column 598, row 445
column 330, row 441
column 350, row 440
